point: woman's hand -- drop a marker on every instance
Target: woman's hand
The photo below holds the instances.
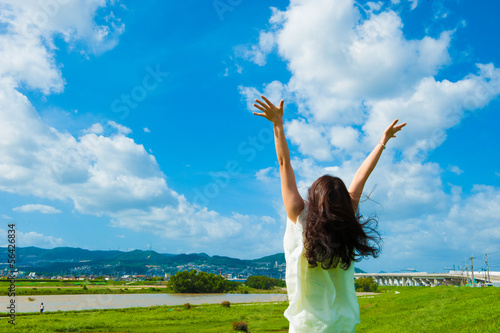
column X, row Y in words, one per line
column 272, row 113
column 291, row 197
column 391, row 131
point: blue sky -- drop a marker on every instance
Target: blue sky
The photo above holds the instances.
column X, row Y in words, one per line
column 128, row 125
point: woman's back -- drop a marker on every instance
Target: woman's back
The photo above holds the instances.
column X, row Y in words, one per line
column 320, row 300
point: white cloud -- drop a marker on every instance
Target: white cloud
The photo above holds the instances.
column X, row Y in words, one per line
column 467, row 227
column 111, row 176
column 72, row 19
column 120, row 128
column 231, row 66
column 419, row 221
column 414, row 4
column 263, row 175
column 349, row 71
column 374, row 6
column 33, row 238
column 31, row 25
column 250, row 94
column 431, row 108
column 96, row 172
column 344, row 137
column 351, row 75
column 244, row 234
column 258, row 53
column 95, row 128
column 456, row 170
column 44, row 209
column 309, row 138
column 338, row 61
column 147, row 130
column 307, row 171
column 101, row 171
column 275, row 91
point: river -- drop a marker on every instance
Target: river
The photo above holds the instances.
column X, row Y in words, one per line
column 114, row 301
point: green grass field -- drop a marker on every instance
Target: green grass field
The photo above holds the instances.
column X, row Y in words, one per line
column 413, row 309
column 37, row 288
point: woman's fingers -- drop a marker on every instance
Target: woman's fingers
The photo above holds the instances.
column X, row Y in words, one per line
column 259, row 107
column 399, row 127
column 391, row 126
column 268, row 102
column 395, row 127
column 259, row 114
column 262, row 103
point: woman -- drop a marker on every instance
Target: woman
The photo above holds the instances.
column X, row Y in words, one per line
column 323, row 238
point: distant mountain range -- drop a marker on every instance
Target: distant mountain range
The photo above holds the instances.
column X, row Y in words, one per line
column 61, row 259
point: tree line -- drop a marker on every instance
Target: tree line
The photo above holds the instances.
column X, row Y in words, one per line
column 202, row 282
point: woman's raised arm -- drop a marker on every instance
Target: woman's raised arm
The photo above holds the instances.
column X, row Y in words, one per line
column 291, row 197
column 364, row 171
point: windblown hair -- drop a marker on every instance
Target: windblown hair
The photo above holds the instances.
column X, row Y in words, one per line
column 334, row 232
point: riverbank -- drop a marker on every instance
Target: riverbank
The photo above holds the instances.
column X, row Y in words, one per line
column 36, row 288
column 398, row 309
column 54, row 303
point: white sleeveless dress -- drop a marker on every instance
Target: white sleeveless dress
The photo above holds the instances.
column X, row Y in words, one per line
column 320, row 300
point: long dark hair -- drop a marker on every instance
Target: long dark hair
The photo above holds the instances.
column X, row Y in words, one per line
column 334, row 232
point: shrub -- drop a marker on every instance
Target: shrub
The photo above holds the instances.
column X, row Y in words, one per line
column 240, row 326
column 263, row 282
column 187, row 306
column 226, row 304
column 200, row 282
column 365, row 285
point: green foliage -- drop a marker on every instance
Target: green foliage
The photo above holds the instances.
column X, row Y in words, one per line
column 365, row 285
column 263, row 282
column 200, row 282
column 279, row 257
column 414, row 309
column 156, row 278
column 240, row 326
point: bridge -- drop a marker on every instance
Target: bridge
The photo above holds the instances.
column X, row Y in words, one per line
column 452, row 278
